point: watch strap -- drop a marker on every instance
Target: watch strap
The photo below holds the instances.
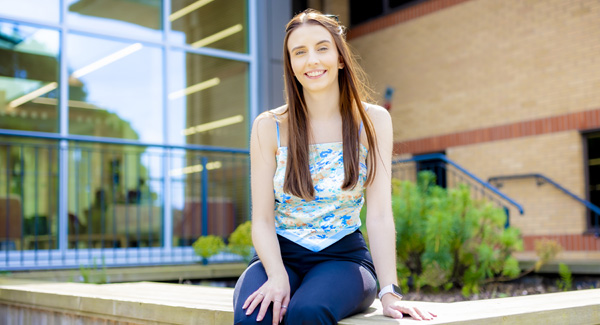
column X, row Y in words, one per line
column 389, row 289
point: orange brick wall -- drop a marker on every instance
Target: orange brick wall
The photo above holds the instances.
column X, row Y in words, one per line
column 503, row 87
column 483, row 63
column 557, row 156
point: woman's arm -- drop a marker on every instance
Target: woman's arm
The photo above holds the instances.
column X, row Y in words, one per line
column 263, row 147
column 380, row 221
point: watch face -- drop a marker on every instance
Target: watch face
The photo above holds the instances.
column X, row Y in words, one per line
column 396, row 290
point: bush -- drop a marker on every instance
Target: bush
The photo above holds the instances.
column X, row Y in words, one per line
column 240, row 241
column 207, row 246
column 566, row 280
column 445, row 238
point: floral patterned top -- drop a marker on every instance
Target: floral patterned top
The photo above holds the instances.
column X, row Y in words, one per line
column 334, row 213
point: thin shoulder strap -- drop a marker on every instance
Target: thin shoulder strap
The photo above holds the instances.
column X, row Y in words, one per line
column 277, row 124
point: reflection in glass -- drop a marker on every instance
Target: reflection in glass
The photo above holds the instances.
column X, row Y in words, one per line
column 28, row 78
column 226, row 189
column 115, row 196
column 196, row 23
column 208, row 101
column 43, row 10
column 28, row 194
column 115, row 89
column 137, row 18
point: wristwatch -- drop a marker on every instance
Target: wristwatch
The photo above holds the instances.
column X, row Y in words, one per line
column 392, row 289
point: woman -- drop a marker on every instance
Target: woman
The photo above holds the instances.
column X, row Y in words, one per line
column 310, row 163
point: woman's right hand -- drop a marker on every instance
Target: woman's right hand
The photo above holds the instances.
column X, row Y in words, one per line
column 275, row 290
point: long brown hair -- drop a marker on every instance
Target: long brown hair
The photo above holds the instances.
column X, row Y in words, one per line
column 298, row 180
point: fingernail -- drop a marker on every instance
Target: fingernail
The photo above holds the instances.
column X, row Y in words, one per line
column 247, row 313
column 258, row 319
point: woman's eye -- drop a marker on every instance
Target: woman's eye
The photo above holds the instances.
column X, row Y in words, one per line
column 323, row 49
column 299, row 52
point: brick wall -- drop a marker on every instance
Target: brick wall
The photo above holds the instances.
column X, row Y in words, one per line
column 503, row 87
column 557, row 156
column 483, row 63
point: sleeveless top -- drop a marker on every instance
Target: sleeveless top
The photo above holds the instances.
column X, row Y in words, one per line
column 334, row 213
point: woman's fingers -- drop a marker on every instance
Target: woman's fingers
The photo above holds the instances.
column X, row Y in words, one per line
column 263, row 308
column 284, row 307
column 276, row 310
column 249, row 299
column 426, row 315
column 394, row 313
column 413, row 313
column 422, row 314
column 419, row 314
column 257, row 300
column 396, row 310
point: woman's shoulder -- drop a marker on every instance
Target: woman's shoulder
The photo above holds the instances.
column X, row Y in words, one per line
column 280, row 111
column 377, row 114
column 265, row 125
column 271, row 116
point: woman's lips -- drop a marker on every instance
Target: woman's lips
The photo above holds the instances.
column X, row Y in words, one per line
column 315, row 74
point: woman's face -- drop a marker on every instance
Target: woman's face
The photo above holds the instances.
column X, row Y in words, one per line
column 314, row 58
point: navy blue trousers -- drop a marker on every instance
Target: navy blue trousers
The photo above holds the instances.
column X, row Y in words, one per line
column 326, row 286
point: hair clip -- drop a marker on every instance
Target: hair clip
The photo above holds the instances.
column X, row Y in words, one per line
column 337, row 19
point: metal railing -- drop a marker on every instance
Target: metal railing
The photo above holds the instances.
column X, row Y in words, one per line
column 541, row 180
column 125, row 203
column 449, row 174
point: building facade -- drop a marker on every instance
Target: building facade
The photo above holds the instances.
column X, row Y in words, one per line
column 508, row 90
column 124, row 125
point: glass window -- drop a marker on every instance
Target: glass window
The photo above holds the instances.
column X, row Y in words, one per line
column 361, row 11
column 28, row 78
column 29, row 193
column 115, row 196
column 133, row 18
column 44, row 10
column 210, row 23
column 226, row 189
column 115, row 89
column 208, row 101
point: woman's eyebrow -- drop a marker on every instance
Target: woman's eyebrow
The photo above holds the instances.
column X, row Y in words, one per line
column 320, row 42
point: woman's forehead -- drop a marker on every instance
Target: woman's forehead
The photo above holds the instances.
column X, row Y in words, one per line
column 308, row 35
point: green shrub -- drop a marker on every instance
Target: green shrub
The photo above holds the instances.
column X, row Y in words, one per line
column 546, row 250
column 445, row 238
column 207, row 246
column 93, row 274
column 566, row 280
column 240, row 241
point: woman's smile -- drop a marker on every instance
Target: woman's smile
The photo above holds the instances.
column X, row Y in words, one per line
column 315, row 74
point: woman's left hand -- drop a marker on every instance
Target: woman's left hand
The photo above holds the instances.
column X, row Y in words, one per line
column 394, row 307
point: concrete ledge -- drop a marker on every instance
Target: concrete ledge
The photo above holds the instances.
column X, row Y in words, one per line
column 145, row 273
column 159, row 303
column 580, row 262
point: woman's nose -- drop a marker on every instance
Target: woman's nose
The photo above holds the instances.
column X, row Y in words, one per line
column 313, row 59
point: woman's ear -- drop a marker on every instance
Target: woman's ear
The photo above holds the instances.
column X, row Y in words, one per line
column 341, row 64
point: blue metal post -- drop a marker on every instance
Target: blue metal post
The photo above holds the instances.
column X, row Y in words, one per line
column 204, row 197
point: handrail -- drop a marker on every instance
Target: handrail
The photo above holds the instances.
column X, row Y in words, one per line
column 587, row 203
column 115, row 141
column 455, row 165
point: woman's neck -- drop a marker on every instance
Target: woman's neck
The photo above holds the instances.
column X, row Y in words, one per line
column 323, row 105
